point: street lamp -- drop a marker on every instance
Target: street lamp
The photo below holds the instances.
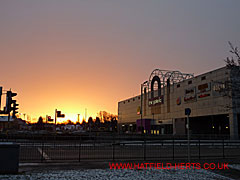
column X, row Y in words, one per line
column 188, row 112
column 143, row 84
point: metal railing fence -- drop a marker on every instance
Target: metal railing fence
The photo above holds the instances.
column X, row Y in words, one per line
column 116, row 147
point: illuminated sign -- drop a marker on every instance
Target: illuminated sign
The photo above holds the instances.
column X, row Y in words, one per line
column 204, row 95
column 178, row 101
column 155, row 101
column 190, row 94
column 219, row 88
column 204, row 87
column 139, row 110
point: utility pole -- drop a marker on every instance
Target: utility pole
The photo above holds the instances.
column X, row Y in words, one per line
column 0, row 97
column 55, row 119
column 188, row 112
column 142, row 105
column 188, row 134
column 78, row 118
column 141, row 110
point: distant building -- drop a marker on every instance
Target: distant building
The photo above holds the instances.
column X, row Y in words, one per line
column 4, row 124
column 13, row 123
column 213, row 98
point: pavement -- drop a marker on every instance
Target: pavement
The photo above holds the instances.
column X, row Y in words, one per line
column 101, row 170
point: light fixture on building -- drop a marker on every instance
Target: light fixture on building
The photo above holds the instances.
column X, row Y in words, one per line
column 226, row 127
column 213, row 127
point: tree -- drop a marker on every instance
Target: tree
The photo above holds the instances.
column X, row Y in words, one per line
column 233, row 64
column 90, row 123
column 114, row 124
column 84, row 124
column 97, row 121
column 232, row 89
column 70, row 122
column 40, row 120
column 40, row 124
column 234, row 61
column 105, row 116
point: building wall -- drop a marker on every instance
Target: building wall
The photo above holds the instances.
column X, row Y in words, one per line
column 218, row 102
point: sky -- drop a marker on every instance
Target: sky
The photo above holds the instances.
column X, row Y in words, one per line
column 73, row 55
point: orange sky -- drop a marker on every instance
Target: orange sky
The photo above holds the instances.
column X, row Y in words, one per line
column 73, row 55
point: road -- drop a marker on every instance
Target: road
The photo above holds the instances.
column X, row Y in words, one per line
column 38, row 151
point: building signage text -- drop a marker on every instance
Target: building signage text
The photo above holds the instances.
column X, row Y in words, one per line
column 155, row 101
column 190, row 94
column 204, row 87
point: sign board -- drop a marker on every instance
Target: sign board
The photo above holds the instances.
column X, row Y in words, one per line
column 139, row 110
column 178, row 101
column 219, row 88
column 190, row 94
column 155, row 101
column 187, row 111
column 204, row 88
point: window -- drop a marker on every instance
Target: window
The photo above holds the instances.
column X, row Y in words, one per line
column 203, row 78
column 178, row 85
column 133, row 99
column 128, row 100
column 189, row 82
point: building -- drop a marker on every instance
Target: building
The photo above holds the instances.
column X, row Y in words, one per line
column 4, row 123
column 213, row 98
column 13, row 123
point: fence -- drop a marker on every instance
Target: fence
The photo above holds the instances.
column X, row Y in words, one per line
column 102, row 148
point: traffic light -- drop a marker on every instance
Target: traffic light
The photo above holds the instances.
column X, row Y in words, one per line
column 9, row 101
column 0, row 97
column 187, row 111
column 49, row 119
column 59, row 114
column 14, row 108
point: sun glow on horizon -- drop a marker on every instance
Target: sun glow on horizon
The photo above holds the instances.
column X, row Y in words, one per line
column 68, row 116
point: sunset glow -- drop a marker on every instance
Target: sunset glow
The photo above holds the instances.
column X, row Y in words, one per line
column 76, row 55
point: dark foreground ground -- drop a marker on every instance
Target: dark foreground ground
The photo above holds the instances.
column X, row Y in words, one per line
column 101, row 170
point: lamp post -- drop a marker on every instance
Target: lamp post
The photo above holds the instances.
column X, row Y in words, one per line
column 141, row 104
column 188, row 112
column 78, row 118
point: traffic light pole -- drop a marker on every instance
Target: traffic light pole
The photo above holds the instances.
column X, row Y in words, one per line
column 188, row 134
column 55, row 119
column 141, row 111
column 188, row 112
column 8, row 120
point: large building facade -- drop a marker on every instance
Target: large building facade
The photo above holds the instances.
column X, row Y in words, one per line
column 213, row 98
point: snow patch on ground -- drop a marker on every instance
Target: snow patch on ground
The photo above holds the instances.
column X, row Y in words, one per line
column 123, row 174
column 235, row 166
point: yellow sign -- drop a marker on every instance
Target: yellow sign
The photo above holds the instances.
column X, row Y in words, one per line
column 139, row 110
